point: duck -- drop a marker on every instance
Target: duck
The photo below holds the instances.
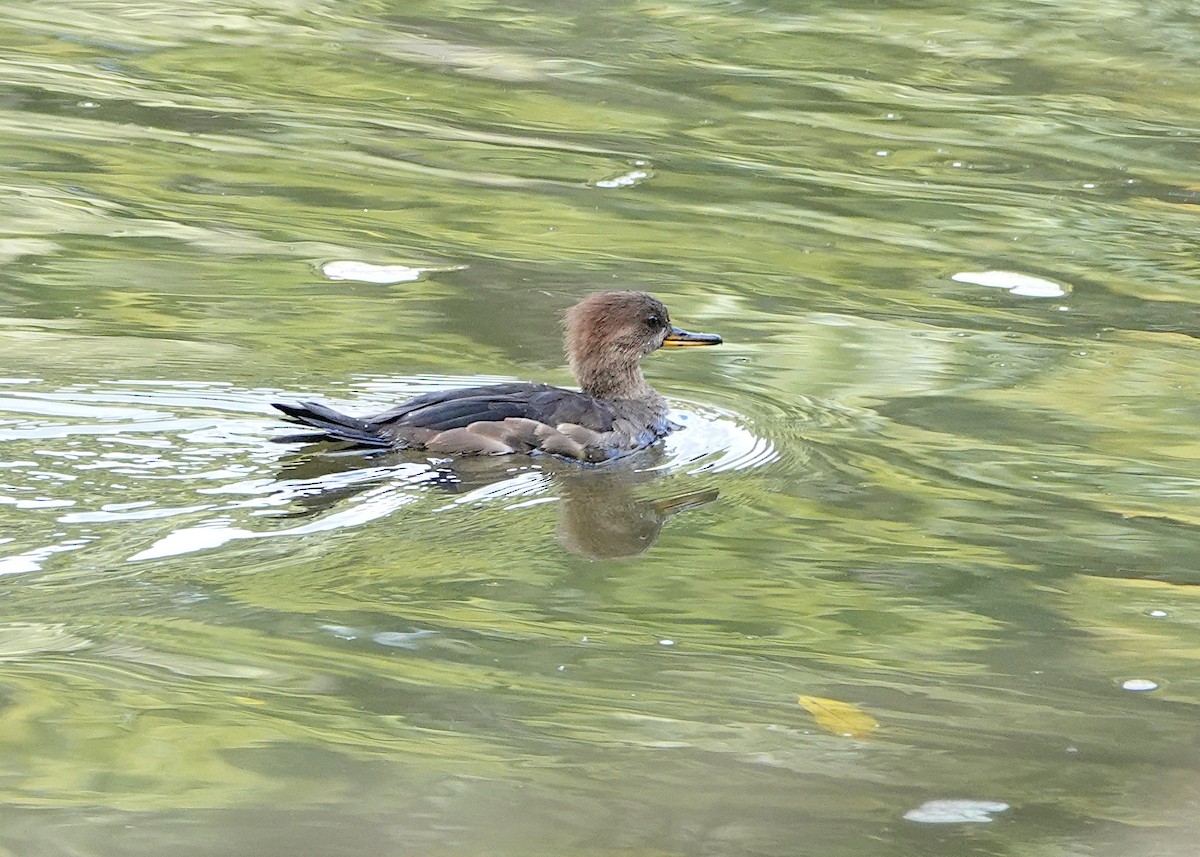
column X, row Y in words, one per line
column 614, row 412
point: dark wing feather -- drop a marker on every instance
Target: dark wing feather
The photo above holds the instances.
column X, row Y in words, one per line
column 459, row 408
column 458, row 413
column 396, row 414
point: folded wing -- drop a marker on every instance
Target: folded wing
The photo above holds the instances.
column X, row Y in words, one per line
column 491, row 420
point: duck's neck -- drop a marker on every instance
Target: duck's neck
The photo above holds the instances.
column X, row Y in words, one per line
column 614, row 380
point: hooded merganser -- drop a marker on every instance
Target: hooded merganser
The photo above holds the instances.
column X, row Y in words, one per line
column 615, row 412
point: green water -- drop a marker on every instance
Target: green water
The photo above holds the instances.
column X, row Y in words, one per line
column 968, row 513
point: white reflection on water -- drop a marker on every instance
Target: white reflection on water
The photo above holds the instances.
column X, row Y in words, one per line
column 715, row 440
column 1021, row 285
column 32, row 560
column 372, row 505
column 523, row 485
column 955, row 811
column 367, row 272
column 629, row 179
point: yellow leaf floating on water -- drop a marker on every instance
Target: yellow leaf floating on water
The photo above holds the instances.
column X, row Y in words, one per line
column 840, row 718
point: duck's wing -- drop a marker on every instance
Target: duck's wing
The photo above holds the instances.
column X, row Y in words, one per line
column 460, row 408
column 491, row 420
column 440, row 397
column 502, row 419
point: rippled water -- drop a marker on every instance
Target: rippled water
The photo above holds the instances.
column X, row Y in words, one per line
column 918, row 575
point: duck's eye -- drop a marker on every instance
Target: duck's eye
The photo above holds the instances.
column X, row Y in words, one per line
column 653, row 321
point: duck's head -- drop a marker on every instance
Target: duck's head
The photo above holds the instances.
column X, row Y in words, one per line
column 609, row 332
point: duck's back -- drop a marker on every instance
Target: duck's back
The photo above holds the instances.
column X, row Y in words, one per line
column 497, row 419
column 450, row 409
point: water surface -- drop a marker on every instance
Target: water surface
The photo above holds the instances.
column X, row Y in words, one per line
column 965, row 511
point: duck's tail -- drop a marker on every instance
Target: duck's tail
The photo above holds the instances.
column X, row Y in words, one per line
column 330, row 425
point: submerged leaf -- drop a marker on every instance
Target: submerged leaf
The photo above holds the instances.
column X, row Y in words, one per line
column 840, row 718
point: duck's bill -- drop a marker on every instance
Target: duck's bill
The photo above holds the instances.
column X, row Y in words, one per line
column 679, row 338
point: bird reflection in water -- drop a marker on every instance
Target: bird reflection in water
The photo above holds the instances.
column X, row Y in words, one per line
column 600, row 512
